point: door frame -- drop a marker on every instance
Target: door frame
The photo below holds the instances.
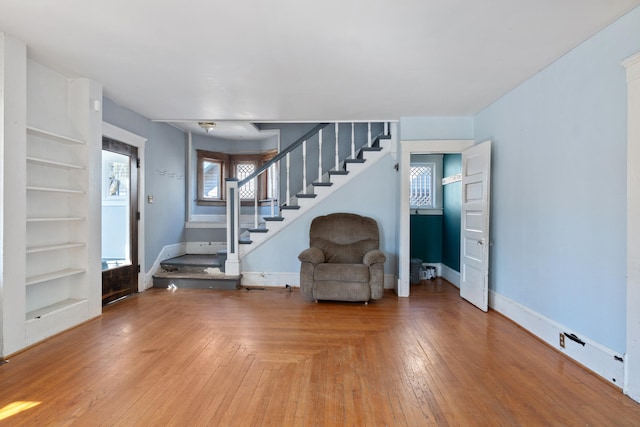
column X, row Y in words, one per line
column 122, row 135
column 407, row 148
column 631, row 386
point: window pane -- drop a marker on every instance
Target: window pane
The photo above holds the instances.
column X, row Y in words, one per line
column 211, row 179
column 421, row 186
column 116, row 251
column 243, row 170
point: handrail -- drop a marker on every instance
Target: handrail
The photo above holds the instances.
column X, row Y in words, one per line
column 283, row 153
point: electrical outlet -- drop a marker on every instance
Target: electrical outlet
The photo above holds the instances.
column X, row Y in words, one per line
column 561, row 340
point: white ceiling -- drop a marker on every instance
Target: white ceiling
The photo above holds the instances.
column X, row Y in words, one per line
column 295, row 60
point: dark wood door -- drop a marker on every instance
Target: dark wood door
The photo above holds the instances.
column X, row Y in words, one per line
column 120, row 217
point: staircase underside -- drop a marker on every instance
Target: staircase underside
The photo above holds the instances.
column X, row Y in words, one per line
column 194, row 272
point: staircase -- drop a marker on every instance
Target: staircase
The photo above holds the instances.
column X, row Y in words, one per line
column 313, row 194
column 347, row 157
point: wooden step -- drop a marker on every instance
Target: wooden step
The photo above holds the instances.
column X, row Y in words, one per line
column 192, row 263
column 196, row 281
column 306, row 196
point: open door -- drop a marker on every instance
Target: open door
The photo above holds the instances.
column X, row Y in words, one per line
column 119, row 220
column 474, row 247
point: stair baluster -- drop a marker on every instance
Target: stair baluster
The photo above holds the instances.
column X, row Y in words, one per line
column 304, row 166
column 320, row 156
column 353, row 140
column 337, row 147
column 288, row 164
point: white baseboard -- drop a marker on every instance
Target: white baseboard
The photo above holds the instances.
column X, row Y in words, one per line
column 252, row 278
column 451, row 275
column 169, row 251
column 205, row 248
column 594, row 356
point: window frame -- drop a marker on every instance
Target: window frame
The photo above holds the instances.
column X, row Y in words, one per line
column 432, row 184
column 229, row 163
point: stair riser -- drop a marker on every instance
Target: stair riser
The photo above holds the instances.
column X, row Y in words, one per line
column 187, row 268
column 218, row 284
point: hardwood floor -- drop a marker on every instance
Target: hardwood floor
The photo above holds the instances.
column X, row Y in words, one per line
column 248, row 358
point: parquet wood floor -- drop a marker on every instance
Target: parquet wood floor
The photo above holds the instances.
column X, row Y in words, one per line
column 254, row 358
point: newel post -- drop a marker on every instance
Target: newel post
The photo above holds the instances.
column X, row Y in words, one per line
column 232, row 265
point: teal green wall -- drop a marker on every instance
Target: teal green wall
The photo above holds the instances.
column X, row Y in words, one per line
column 426, row 237
column 452, row 199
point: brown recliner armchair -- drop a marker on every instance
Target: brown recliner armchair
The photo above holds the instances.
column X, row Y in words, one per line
column 343, row 262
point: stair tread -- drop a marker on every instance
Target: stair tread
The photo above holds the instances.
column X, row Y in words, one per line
column 338, row 172
column 192, row 260
column 258, row 230
column 245, row 242
column 273, row 218
column 322, row 184
column 355, row 160
column 305, row 195
column 287, row 207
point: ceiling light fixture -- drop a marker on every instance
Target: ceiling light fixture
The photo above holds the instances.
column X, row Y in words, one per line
column 207, row 126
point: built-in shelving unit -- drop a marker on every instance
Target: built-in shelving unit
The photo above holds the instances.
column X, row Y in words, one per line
column 50, row 185
column 62, row 135
column 56, row 261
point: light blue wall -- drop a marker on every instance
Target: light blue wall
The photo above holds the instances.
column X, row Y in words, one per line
column 164, row 151
column 559, row 187
column 366, row 194
column 419, row 128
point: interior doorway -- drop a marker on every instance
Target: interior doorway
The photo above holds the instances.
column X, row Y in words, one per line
column 120, row 216
column 427, row 147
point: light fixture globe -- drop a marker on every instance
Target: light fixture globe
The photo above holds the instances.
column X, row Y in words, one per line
column 207, row 126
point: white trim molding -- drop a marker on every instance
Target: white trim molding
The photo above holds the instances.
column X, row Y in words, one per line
column 632, row 359
column 276, row 279
column 122, row 135
column 406, row 149
column 167, row 252
column 451, row 275
column 594, row 356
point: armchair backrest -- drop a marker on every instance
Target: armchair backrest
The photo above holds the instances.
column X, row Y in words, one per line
column 343, row 237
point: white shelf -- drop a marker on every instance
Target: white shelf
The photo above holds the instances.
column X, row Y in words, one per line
column 40, row 278
column 53, row 163
column 55, row 190
column 46, row 248
column 50, row 309
column 51, row 135
column 54, row 219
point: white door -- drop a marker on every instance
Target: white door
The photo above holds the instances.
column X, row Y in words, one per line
column 474, row 248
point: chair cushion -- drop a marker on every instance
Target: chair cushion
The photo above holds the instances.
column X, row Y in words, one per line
column 350, row 253
column 342, row 273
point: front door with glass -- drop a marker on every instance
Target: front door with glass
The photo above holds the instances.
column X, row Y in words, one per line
column 119, row 220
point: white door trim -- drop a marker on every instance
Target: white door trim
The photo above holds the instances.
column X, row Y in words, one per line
column 406, row 149
column 632, row 357
column 122, row 135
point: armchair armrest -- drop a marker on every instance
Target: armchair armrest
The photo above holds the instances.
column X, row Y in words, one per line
column 374, row 256
column 312, row 255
